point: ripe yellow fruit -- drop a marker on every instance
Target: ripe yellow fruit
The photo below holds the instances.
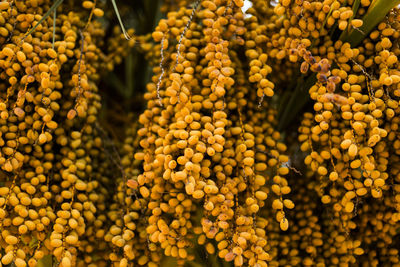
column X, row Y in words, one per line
column 11, row 240
column 288, row 203
column 98, row 12
column 277, row 204
column 284, row 224
column 4, row 5
column 66, row 262
column 349, row 207
column 353, row 150
column 357, row 23
column 87, row 4
column 261, row 195
column 7, row 258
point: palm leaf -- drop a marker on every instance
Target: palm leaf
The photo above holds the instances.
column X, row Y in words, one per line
column 375, row 14
column 120, row 20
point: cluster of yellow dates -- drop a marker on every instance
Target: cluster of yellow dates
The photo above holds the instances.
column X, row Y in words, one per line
column 206, row 166
column 54, row 174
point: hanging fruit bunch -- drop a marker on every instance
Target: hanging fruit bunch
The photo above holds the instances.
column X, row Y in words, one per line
column 210, row 132
column 54, row 173
column 267, row 137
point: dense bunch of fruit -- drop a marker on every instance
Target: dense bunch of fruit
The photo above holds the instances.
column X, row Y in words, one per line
column 214, row 79
column 211, row 163
column 206, row 140
column 54, row 173
column 352, row 142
